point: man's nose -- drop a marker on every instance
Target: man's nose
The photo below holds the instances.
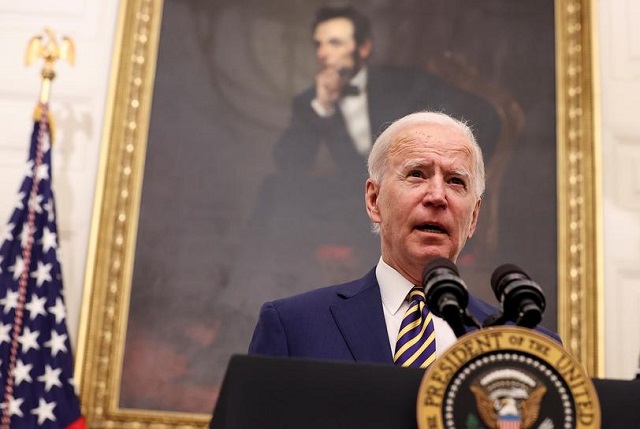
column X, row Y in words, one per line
column 435, row 193
column 321, row 52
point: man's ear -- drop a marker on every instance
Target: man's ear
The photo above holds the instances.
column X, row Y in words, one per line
column 371, row 193
column 364, row 50
column 474, row 218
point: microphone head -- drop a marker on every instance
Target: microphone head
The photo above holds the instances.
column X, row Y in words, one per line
column 443, row 287
column 433, row 265
column 522, row 299
column 505, row 272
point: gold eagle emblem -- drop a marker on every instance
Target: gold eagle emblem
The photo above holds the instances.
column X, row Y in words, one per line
column 509, row 392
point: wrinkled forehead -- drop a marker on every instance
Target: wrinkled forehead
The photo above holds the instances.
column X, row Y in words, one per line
column 432, row 138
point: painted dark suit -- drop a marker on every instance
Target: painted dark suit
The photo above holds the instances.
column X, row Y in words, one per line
column 343, row 322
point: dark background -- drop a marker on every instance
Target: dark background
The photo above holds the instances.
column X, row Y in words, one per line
column 226, row 74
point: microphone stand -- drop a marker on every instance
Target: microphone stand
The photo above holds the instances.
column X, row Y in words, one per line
column 458, row 318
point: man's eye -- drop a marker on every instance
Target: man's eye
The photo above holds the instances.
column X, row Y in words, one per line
column 415, row 174
column 457, row 181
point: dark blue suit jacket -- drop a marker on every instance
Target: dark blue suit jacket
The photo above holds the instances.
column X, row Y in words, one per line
column 343, row 322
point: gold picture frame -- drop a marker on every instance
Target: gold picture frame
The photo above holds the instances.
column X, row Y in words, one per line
column 114, row 229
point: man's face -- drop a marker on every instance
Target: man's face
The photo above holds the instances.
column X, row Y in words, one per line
column 336, row 46
column 426, row 203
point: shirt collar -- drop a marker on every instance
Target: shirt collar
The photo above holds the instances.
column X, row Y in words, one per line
column 394, row 288
column 360, row 79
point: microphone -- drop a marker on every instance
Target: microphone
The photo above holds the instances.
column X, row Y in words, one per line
column 522, row 299
column 446, row 294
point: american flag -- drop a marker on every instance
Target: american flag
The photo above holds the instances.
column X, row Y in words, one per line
column 35, row 353
column 509, row 422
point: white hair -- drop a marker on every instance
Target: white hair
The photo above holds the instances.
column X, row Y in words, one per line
column 379, row 155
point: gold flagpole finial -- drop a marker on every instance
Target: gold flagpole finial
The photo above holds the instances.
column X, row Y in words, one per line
column 47, row 47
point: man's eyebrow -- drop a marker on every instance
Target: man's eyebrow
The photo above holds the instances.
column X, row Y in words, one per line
column 414, row 165
column 461, row 172
column 336, row 39
column 421, row 165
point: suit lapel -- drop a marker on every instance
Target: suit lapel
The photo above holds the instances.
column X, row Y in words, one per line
column 360, row 319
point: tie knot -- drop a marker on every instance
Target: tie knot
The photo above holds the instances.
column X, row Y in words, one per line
column 417, row 294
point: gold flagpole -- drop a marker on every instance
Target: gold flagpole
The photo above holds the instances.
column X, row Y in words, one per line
column 47, row 48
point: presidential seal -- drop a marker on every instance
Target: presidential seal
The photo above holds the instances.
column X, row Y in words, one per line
column 507, row 378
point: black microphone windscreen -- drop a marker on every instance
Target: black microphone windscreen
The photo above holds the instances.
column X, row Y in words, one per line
column 439, row 263
column 502, row 271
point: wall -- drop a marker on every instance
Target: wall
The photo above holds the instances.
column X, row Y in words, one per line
column 619, row 38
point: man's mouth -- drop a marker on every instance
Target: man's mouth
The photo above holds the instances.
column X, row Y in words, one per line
column 432, row 227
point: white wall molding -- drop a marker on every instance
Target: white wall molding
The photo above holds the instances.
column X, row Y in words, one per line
column 619, row 41
column 622, row 319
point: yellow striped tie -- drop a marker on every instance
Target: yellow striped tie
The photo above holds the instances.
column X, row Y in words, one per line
column 416, row 343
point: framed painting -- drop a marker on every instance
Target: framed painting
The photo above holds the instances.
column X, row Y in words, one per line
column 201, row 216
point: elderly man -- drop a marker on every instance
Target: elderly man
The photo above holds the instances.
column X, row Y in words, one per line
column 423, row 195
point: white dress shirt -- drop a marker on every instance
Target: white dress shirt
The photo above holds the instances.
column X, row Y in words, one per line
column 394, row 289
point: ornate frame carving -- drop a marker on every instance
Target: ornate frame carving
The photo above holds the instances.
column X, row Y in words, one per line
column 113, row 235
